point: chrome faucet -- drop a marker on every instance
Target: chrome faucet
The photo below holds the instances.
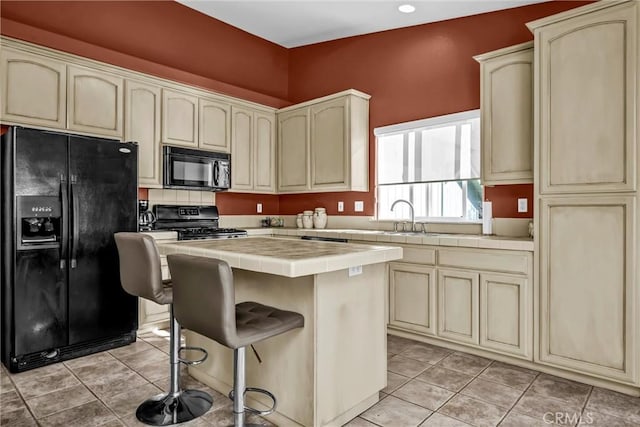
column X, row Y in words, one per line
column 413, row 219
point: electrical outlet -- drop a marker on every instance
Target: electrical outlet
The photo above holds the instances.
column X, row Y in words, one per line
column 522, row 205
column 358, row 206
column 355, row 270
column 259, row 208
column 340, row 206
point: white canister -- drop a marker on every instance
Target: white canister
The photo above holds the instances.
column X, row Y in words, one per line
column 299, row 220
column 307, row 221
column 320, row 218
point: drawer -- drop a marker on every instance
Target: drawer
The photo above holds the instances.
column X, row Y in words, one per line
column 487, row 259
column 418, row 254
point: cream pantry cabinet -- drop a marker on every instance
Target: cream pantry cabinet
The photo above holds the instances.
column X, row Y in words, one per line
column 253, row 146
column 587, row 79
column 142, row 125
column 323, row 144
column 412, row 297
column 506, row 112
column 94, row 101
column 586, row 217
column 588, row 284
column 34, row 89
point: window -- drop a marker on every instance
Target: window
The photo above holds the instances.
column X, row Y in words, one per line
column 434, row 164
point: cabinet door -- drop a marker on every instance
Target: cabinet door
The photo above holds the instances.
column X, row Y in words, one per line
column 507, row 118
column 241, row 149
column 179, row 118
column 293, row 144
column 412, row 297
column 142, row 125
column 215, row 125
column 505, row 314
column 330, row 144
column 94, row 102
column 264, row 158
column 458, row 305
column 587, row 73
column 586, row 268
column 34, row 90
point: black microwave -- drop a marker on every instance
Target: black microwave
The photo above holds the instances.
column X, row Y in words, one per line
column 196, row 169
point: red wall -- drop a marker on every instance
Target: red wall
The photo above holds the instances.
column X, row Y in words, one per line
column 162, row 38
column 412, row 73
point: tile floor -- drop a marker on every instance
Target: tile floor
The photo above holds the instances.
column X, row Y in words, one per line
column 427, row 386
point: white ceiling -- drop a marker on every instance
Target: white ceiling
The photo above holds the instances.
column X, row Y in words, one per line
column 300, row 22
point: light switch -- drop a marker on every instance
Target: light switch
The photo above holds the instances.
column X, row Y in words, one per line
column 358, row 206
column 355, row 270
column 340, row 206
column 259, row 208
column 522, row 205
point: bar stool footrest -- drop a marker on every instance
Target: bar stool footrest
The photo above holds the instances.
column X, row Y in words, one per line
column 192, row 362
column 256, row 411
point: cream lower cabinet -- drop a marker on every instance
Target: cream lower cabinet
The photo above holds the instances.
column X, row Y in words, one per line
column 142, row 125
column 412, row 297
column 94, row 102
column 253, row 151
column 33, row 89
column 506, row 314
column 458, row 305
column 588, row 285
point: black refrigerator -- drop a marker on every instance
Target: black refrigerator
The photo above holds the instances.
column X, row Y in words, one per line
column 63, row 196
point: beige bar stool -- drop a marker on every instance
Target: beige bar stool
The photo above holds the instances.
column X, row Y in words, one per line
column 141, row 275
column 204, row 302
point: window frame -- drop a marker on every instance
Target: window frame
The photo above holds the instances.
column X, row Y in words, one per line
column 417, row 126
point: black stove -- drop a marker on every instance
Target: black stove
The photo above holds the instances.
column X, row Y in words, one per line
column 193, row 222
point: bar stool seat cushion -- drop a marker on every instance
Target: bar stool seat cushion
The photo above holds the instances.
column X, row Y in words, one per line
column 256, row 322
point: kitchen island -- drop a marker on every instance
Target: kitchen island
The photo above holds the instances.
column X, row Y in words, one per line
column 332, row 369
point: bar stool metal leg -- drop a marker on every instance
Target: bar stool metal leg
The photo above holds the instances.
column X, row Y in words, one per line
column 178, row 405
column 238, row 387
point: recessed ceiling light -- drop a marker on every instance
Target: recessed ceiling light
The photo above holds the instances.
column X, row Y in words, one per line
column 406, row 8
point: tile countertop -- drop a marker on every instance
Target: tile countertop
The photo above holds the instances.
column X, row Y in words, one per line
column 285, row 257
column 433, row 239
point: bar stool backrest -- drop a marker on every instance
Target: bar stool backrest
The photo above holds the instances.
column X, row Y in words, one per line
column 140, row 272
column 204, row 297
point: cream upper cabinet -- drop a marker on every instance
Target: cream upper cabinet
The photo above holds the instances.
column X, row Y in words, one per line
column 331, row 136
column 179, row 118
column 506, row 110
column 588, row 284
column 94, row 102
column 506, row 314
column 241, row 149
column 142, row 125
column 215, row 125
column 293, row 150
column 264, row 152
column 33, row 89
column 253, row 151
column 458, row 305
column 586, row 83
column 412, row 297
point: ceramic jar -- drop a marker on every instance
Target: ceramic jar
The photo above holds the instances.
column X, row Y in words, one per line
column 299, row 221
column 307, row 219
column 320, row 218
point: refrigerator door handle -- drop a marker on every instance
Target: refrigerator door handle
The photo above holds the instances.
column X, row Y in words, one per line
column 74, row 224
column 64, row 243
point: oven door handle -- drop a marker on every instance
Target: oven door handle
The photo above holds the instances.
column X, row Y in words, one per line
column 64, row 238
